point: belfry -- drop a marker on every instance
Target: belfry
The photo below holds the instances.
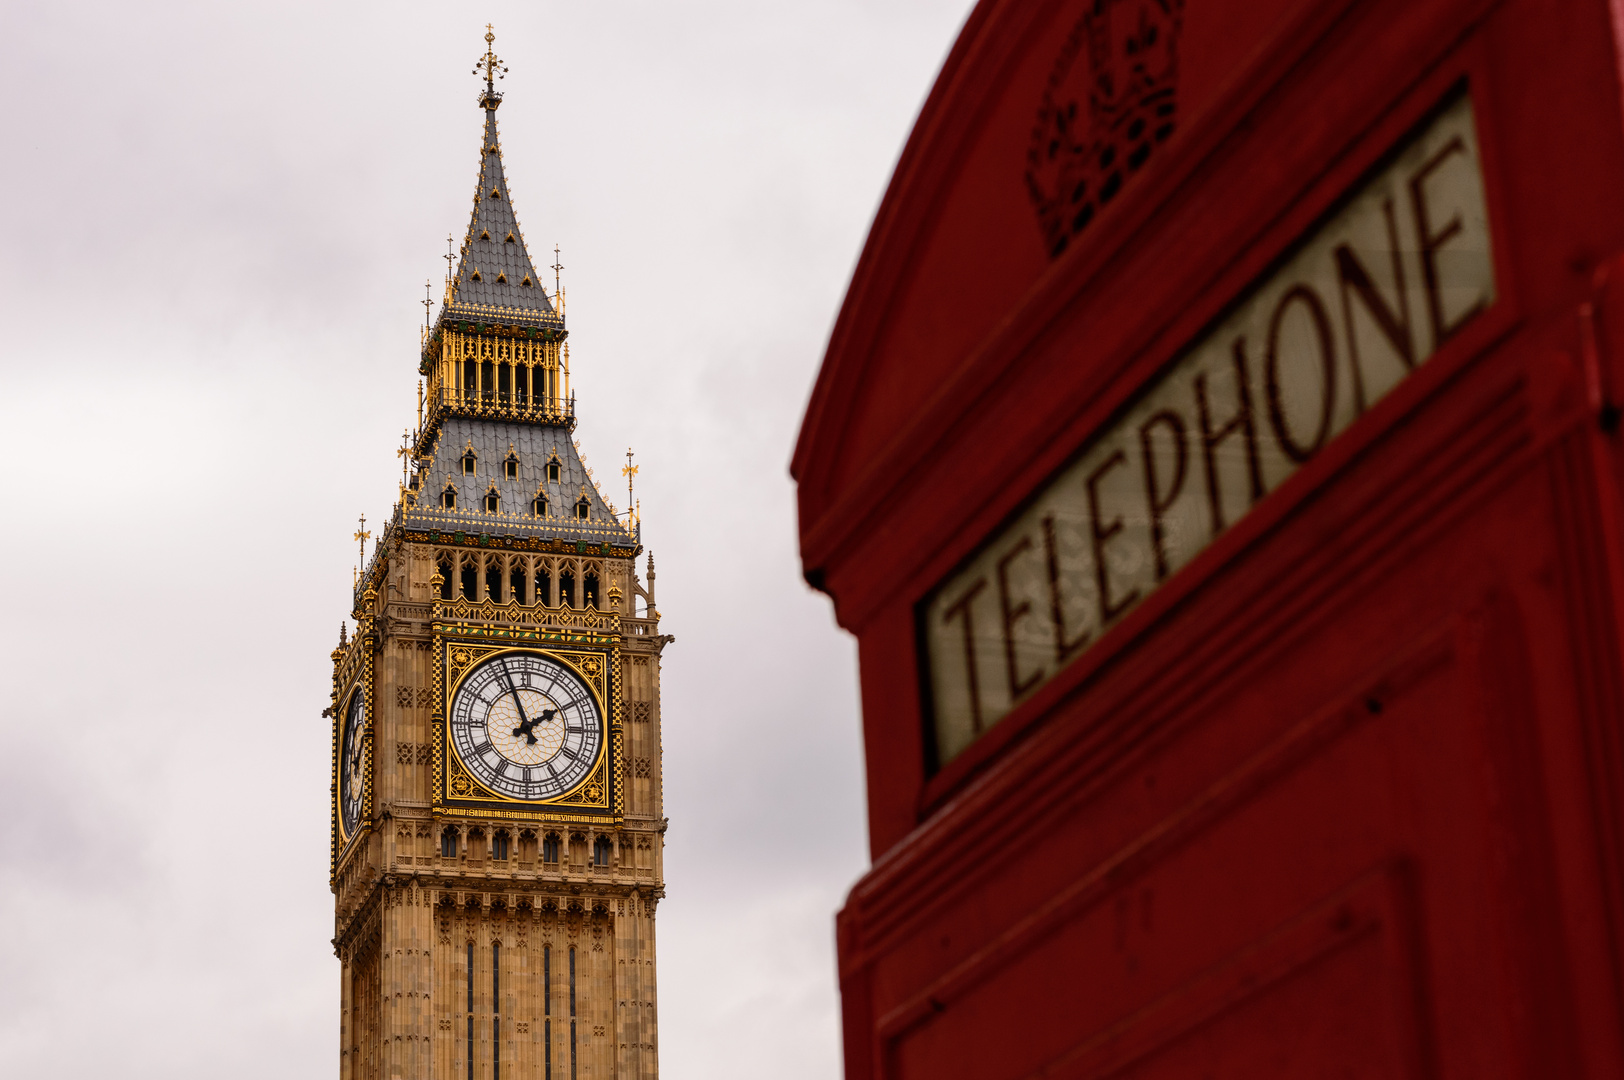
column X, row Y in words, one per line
column 497, row 822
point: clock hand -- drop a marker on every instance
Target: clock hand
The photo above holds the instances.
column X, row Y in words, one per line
column 525, row 723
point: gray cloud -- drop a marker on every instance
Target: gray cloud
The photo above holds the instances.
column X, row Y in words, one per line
column 216, row 223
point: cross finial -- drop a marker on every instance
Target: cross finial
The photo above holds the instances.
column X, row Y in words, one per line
column 361, row 537
column 629, row 471
column 427, row 303
column 558, row 268
column 494, row 69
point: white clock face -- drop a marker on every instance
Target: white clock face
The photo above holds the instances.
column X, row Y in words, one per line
column 350, row 765
column 526, row 726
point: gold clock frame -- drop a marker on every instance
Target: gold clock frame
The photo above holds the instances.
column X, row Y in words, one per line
column 355, row 674
column 596, row 797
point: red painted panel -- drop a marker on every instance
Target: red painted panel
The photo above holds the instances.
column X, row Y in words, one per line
column 1345, row 795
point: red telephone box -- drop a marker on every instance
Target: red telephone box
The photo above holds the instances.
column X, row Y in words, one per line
column 1217, row 459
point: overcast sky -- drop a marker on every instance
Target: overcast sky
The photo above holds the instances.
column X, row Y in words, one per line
column 217, row 221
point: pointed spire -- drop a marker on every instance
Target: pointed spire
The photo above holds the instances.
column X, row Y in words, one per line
column 495, row 268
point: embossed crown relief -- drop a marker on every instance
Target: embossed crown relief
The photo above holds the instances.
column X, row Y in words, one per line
column 1110, row 101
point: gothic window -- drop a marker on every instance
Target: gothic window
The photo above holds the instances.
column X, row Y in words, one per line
column 493, row 581
column 572, row 1012
column 448, row 498
column 552, row 471
column 547, row 1011
column 470, row 1053
column 566, row 587
column 510, row 467
column 493, row 501
column 470, row 580
column 538, row 505
column 521, row 381
column 544, row 585
column 600, row 851
column 496, row 1010
column 487, row 382
column 470, row 461
column 516, row 582
column 448, row 844
column 499, row 847
column 470, row 379
column 549, row 848
column 589, row 590
column 446, row 577
column 504, row 372
column 583, row 509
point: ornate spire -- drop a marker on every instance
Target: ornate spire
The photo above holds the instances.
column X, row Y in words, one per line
column 494, row 69
column 495, row 270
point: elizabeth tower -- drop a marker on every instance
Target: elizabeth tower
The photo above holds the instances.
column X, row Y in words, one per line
column 497, row 824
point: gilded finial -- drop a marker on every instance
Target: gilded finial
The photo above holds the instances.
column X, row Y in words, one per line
column 558, row 268
column 494, row 69
column 362, row 536
column 629, row 471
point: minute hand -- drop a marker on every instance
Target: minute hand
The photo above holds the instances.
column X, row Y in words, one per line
column 525, row 724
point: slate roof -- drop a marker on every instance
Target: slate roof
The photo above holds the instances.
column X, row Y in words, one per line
column 494, row 247
column 492, row 442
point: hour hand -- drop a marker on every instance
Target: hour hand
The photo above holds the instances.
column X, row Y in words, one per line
column 524, row 729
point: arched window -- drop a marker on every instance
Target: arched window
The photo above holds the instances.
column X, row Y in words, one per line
column 589, row 590
column 600, row 851
column 493, row 581
column 583, row 509
column 516, row 582
column 446, row 577
column 544, row 584
column 470, row 461
column 448, row 498
column 493, row 501
column 566, row 587
column 499, row 847
column 448, row 844
column 538, row 505
column 549, row 848
column 470, row 580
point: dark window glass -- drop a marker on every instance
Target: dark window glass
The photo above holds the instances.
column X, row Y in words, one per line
column 448, row 498
column 470, row 581
column 470, row 1010
column 538, row 506
column 493, row 581
column 516, row 583
column 448, row 843
column 589, row 590
column 511, row 468
column 566, row 588
column 499, row 846
column 600, row 851
column 446, row 579
column 493, row 502
column 544, row 586
column 552, row 472
column 469, row 463
column 583, row 509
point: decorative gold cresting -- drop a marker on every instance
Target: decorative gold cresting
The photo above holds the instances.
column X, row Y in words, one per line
column 494, row 69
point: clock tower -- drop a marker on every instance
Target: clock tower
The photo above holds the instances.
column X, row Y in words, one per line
column 497, row 827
